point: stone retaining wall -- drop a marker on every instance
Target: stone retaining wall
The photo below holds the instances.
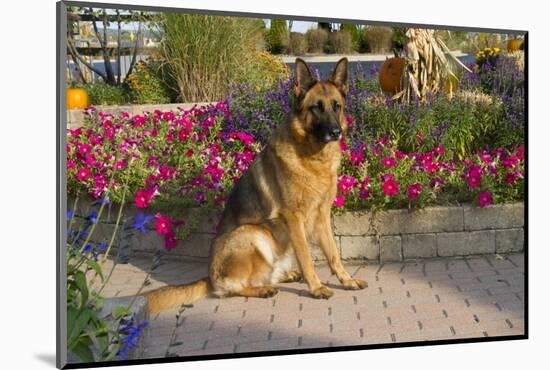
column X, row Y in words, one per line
column 397, row 235
column 75, row 117
column 392, row 235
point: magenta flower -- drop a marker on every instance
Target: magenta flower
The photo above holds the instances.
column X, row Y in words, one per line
column 83, row 174
column 356, row 158
column 338, row 201
column 84, row 149
column 387, row 176
column 142, row 199
column 343, row 145
column 414, row 190
column 510, row 178
column 485, row 199
column 473, row 176
column 390, row 187
column 439, row 150
column 346, row 183
column 163, row 225
column 388, row 162
column 182, row 135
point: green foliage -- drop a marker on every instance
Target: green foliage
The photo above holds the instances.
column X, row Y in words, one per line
column 101, row 93
column 204, row 54
column 355, row 33
column 398, row 38
column 278, row 38
column 317, row 40
column 146, row 85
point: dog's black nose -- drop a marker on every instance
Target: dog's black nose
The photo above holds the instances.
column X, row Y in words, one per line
column 335, row 132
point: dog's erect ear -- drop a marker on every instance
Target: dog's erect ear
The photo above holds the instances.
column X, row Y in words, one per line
column 339, row 76
column 303, row 80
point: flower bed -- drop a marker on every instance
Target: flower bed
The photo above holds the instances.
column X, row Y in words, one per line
column 167, row 163
column 178, row 167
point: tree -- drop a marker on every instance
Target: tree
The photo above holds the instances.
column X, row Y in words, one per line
column 95, row 16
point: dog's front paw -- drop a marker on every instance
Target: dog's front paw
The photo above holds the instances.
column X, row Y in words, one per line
column 322, row 292
column 355, row 284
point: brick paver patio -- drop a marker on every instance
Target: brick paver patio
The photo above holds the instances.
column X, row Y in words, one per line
column 408, row 301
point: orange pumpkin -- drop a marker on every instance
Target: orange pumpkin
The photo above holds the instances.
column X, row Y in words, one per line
column 77, row 98
column 514, row 45
column 390, row 75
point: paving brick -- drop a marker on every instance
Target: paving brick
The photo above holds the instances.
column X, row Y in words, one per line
column 465, row 243
column 404, row 302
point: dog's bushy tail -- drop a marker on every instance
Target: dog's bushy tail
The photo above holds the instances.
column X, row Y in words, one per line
column 173, row 296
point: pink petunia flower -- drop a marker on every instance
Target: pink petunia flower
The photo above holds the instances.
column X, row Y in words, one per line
column 346, row 183
column 163, row 225
column 414, row 190
column 84, row 149
column 388, row 162
column 390, row 187
column 142, row 199
column 83, row 174
column 439, row 150
column 338, row 201
column 485, row 199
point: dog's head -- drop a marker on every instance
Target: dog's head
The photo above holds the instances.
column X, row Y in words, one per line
column 320, row 104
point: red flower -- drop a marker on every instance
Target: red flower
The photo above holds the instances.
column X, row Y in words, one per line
column 142, row 199
column 414, row 190
column 338, row 201
column 164, row 225
column 485, row 199
column 83, row 174
column 391, row 187
column 388, row 162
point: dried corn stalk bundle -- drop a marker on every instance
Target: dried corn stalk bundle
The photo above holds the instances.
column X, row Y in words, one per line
column 428, row 62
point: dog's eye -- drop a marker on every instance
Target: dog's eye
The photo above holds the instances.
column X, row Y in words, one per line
column 336, row 106
column 318, row 107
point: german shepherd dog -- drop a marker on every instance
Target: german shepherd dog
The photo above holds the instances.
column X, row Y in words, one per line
column 280, row 204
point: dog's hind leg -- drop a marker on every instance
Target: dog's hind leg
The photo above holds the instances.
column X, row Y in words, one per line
column 242, row 263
